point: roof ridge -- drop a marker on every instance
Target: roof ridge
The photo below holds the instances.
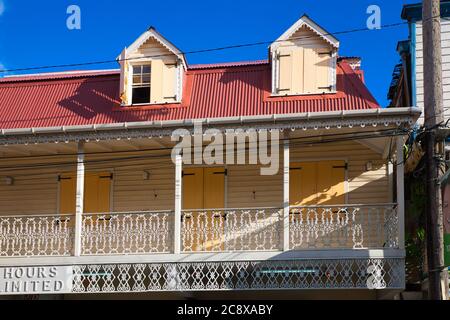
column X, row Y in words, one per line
column 58, row 75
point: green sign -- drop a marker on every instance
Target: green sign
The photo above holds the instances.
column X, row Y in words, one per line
column 447, row 249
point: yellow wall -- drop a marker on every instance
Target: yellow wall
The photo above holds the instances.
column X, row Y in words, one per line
column 36, row 191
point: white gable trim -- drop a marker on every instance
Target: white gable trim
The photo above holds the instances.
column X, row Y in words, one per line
column 152, row 33
column 306, row 21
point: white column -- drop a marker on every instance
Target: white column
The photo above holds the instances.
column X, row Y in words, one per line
column 400, row 193
column 286, row 166
column 178, row 190
column 79, row 206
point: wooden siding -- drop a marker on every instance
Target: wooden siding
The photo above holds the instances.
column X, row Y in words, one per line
column 36, row 191
column 363, row 186
column 445, row 41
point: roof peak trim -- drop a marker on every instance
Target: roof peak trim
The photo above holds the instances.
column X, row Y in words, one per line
column 313, row 26
column 151, row 33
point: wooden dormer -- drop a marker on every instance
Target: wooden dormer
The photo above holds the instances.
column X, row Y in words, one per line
column 151, row 71
column 304, row 60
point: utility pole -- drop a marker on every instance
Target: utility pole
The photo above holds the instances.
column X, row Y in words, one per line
column 434, row 144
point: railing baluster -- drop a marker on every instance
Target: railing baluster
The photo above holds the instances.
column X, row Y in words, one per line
column 211, row 230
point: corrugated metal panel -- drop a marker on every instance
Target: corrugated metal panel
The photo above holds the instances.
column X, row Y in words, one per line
column 77, row 99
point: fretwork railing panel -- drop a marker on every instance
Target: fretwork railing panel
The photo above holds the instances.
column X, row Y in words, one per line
column 127, row 233
column 343, row 227
column 231, row 230
column 43, row 235
column 241, row 275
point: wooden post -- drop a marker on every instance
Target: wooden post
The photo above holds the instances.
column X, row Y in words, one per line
column 178, row 195
column 434, row 117
column 79, row 205
column 400, row 193
column 286, row 167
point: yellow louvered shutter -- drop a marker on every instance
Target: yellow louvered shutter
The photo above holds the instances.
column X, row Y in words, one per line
column 310, row 72
column 285, row 72
column 169, row 82
column 323, row 63
column 297, row 71
column 156, row 86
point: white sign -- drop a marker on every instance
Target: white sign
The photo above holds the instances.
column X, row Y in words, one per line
column 36, row 280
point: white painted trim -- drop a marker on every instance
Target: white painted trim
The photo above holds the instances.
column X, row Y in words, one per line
column 334, row 72
column 152, row 33
column 286, row 203
column 390, row 174
column 400, row 193
column 208, row 257
column 343, row 115
column 305, row 20
column 178, row 203
column 79, row 199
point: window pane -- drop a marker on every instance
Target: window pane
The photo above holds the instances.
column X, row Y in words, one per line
column 136, row 79
column 141, row 95
column 137, row 69
column 146, row 69
column 146, row 78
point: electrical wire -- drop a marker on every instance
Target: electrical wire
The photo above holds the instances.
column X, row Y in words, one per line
column 242, row 45
column 116, row 160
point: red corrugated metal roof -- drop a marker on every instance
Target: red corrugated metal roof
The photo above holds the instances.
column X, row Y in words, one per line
column 58, row 75
column 227, row 64
column 81, row 98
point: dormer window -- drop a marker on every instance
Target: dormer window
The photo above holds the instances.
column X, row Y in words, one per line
column 141, row 84
column 151, row 71
column 304, row 60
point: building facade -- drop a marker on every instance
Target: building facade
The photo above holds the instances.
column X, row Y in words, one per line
column 407, row 88
column 97, row 198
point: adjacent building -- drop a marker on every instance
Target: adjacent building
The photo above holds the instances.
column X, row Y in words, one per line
column 407, row 88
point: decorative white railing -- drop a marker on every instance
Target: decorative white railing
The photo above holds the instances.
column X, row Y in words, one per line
column 38, row 235
column 209, row 230
column 344, row 227
column 255, row 229
column 127, row 233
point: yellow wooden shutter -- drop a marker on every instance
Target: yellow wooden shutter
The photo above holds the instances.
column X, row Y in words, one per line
column 67, row 194
column 285, row 71
column 156, row 86
column 303, row 181
column 193, row 188
column 297, row 70
column 97, row 192
column 310, row 72
column 169, row 82
column 214, row 188
column 323, row 64
column 331, row 182
column 104, row 192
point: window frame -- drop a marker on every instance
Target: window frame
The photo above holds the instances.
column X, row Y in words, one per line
column 131, row 85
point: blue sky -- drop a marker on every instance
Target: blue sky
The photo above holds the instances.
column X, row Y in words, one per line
column 34, row 33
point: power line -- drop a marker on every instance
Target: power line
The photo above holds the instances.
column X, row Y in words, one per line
column 115, row 160
column 243, row 45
